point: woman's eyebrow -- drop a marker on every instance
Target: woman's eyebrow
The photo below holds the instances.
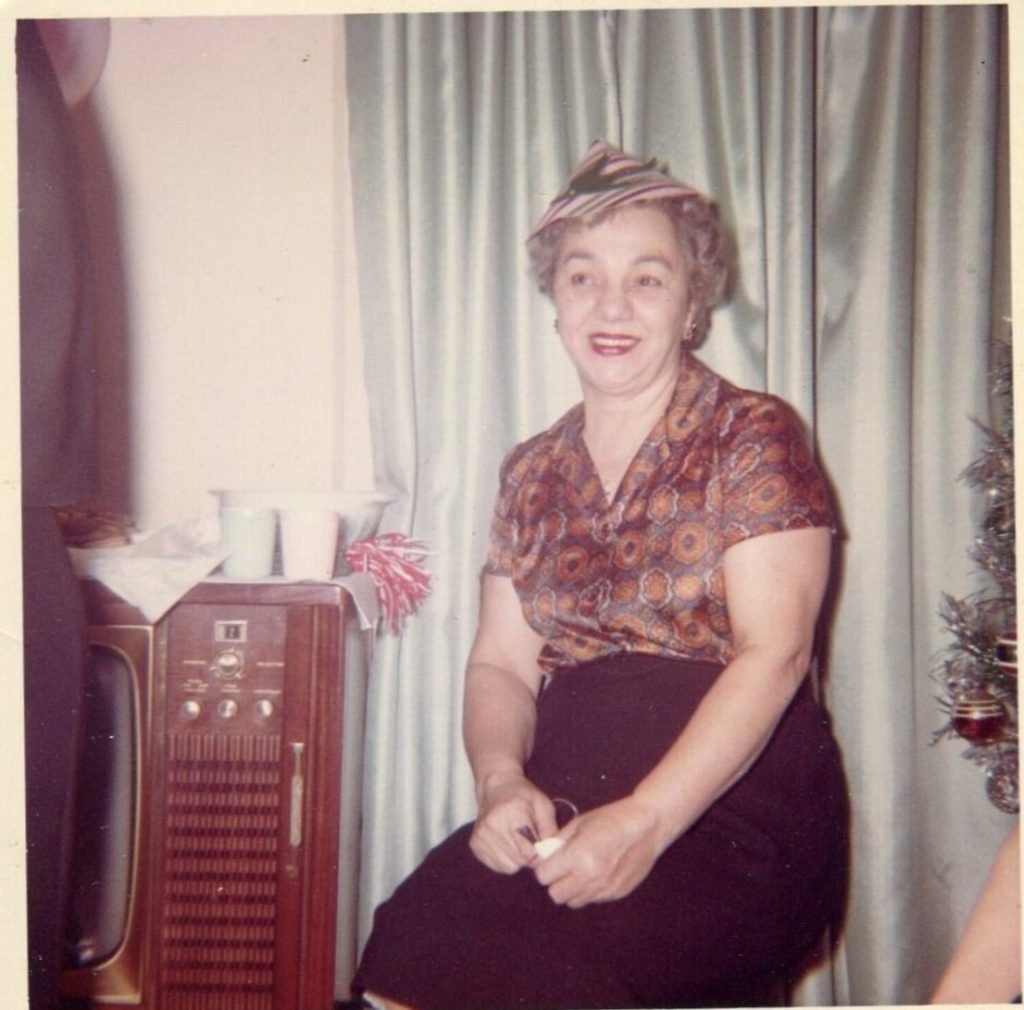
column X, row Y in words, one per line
column 654, row 259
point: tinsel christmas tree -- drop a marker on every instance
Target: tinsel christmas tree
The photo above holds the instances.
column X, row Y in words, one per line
column 979, row 670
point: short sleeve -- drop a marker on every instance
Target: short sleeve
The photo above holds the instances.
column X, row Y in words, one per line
column 770, row 482
column 501, row 543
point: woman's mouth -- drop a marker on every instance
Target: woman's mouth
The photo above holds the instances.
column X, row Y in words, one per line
column 612, row 344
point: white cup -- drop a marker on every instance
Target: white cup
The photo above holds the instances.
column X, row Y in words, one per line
column 248, row 536
column 309, row 543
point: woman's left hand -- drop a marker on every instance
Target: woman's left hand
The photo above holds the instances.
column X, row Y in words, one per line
column 608, row 852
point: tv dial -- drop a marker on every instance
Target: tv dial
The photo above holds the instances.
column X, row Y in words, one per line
column 228, row 664
column 191, row 709
column 227, row 708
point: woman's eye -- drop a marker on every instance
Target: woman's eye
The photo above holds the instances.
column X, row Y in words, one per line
column 649, row 281
column 579, row 278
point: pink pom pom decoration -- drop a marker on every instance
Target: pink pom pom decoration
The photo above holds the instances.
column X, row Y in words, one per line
column 394, row 562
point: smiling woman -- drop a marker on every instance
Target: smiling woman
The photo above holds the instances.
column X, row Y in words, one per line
column 645, row 630
column 623, row 303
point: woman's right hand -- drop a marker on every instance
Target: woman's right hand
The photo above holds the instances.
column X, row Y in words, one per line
column 509, row 802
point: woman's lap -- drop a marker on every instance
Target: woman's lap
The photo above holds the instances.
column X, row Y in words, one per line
column 740, row 896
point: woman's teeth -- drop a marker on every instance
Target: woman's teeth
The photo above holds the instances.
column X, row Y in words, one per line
column 606, row 343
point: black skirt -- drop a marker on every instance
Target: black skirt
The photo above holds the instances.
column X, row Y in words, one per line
column 725, row 916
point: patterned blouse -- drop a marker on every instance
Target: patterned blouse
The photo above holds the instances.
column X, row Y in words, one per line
column 643, row 573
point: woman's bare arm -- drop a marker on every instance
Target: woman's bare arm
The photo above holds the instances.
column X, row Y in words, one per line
column 774, row 587
column 499, row 717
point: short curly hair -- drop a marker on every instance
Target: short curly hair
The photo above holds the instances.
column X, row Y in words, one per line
column 701, row 238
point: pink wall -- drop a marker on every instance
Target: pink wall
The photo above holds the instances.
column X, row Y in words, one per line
column 216, row 161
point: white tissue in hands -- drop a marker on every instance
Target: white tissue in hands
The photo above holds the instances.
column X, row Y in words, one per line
column 548, row 846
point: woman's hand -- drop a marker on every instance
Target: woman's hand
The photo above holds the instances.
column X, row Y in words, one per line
column 608, row 852
column 510, row 802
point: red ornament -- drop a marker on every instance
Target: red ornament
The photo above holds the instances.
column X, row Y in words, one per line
column 979, row 717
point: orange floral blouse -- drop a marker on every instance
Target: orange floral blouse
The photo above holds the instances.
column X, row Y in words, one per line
column 643, row 573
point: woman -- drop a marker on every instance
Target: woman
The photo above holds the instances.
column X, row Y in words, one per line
column 657, row 561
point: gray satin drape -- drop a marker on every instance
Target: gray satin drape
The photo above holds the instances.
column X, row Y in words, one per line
column 858, row 155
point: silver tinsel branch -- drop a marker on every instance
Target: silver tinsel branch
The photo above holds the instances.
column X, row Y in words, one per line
column 992, row 473
column 979, row 671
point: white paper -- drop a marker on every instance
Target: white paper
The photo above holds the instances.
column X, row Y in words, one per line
column 548, row 846
column 156, row 571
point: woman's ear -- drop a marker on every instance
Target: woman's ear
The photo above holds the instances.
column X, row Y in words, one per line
column 689, row 335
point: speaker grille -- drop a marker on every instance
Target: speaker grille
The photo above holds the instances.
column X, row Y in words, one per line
column 220, row 872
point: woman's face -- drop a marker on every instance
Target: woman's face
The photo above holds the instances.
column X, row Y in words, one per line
column 622, row 300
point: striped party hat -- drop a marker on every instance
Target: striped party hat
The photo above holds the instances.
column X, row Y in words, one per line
column 606, row 178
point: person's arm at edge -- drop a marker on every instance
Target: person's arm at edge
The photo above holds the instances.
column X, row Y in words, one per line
column 986, row 966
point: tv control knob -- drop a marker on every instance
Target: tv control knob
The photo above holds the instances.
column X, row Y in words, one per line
column 227, row 708
column 264, row 708
column 191, row 709
column 228, row 664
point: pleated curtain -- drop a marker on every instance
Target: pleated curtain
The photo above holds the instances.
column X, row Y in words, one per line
column 858, row 156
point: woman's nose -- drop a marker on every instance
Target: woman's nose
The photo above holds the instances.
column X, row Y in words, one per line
column 615, row 303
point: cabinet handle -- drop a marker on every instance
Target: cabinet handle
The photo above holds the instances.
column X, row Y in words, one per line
column 295, row 823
